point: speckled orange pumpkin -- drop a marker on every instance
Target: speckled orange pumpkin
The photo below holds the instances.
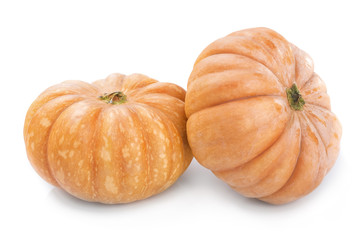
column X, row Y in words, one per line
column 260, row 118
column 117, row 140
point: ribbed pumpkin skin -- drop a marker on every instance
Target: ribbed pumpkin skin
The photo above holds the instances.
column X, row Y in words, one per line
column 104, row 152
column 240, row 123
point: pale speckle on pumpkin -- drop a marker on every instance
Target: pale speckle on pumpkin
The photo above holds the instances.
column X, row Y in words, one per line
column 160, row 125
column 76, row 144
column 105, row 155
column 73, row 129
column 81, row 163
column 110, row 185
column 126, row 152
column 60, row 175
column 33, row 146
column 162, row 155
column 129, row 164
column 63, row 153
column 45, row 122
column 61, row 140
column 131, row 123
column 71, row 153
column 106, row 141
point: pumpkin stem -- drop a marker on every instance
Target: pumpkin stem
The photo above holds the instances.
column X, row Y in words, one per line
column 294, row 97
column 114, row 98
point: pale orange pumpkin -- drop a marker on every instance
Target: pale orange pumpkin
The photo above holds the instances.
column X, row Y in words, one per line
column 260, row 118
column 117, row 140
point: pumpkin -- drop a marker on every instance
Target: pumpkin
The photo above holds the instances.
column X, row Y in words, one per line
column 117, row 140
column 259, row 117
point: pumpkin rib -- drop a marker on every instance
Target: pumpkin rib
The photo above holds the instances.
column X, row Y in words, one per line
column 208, row 76
column 297, row 158
column 212, row 88
column 171, row 139
column 274, row 168
column 239, row 67
column 94, row 161
column 317, row 131
column 145, row 137
column 285, row 198
column 325, row 116
column 49, row 132
column 155, row 88
column 235, row 100
column 166, row 124
column 320, row 176
column 98, row 109
column 136, row 81
column 318, row 106
column 304, row 65
column 171, row 130
column 253, row 59
column 134, row 120
column 93, row 172
column 309, row 99
column 47, row 140
column 125, row 174
column 154, row 94
column 265, row 150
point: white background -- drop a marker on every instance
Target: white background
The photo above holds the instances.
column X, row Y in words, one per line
column 45, row 42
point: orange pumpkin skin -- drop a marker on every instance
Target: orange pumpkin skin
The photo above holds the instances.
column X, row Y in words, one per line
column 242, row 126
column 106, row 152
